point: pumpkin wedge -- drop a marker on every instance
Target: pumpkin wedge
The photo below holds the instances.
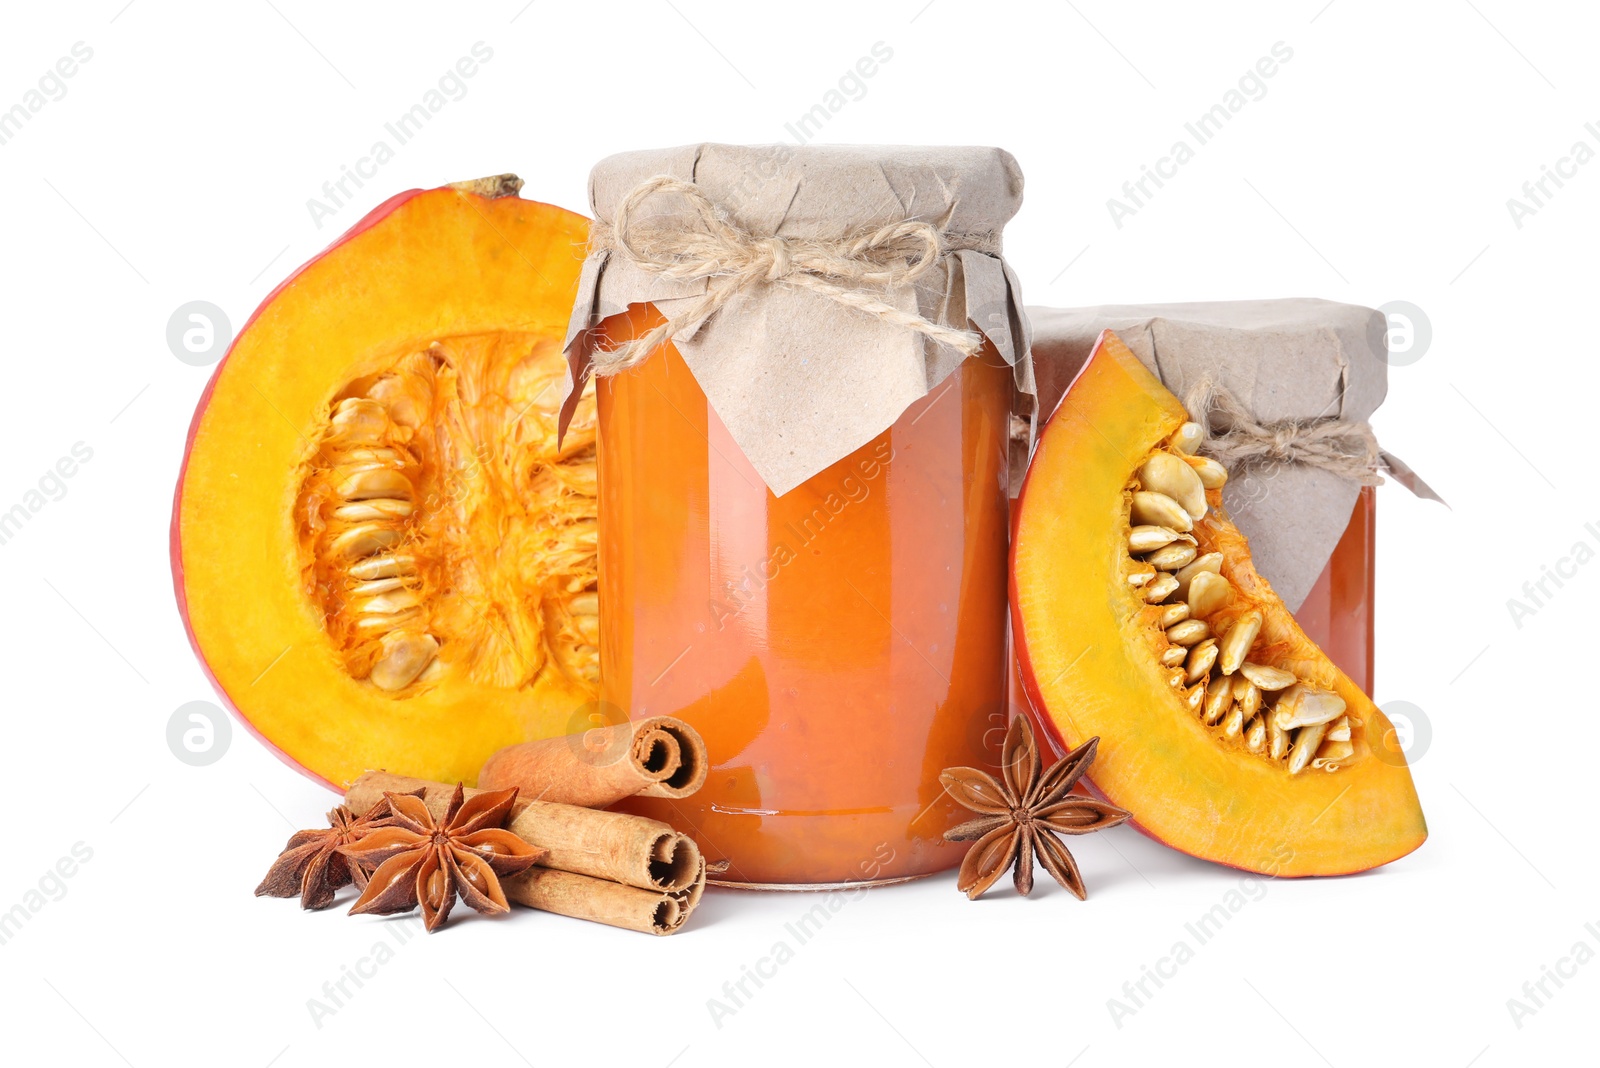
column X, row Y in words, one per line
column 1140, row 619
column 383, row 558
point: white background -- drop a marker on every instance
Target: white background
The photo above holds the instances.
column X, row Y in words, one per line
column 1377, row 167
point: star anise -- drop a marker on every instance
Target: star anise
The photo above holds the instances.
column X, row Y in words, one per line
column 419, row 860
column 311, row 864
column 1019, row 812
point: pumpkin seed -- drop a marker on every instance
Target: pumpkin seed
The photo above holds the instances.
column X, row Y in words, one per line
column 1189, row 632
column 1201, row 657
column 377, row 508
column 378, row 567
column 1255, row 735
column 405, row 654
column 359, row 421
column 383, row 585
column 1212, row 474
column 1332, row 754
column 1208, row 592
column 1160, row 588
column 1171, row 557
column 1266, row 677
column 1211, row 562
column 364, row 539
column 1249, row 700
column 372, row 457
column 1170, row 475
column 1237, row 642
column 1174, row 614
column 1144, row 539
column 389, row 603
column 1305, row 746
column 588, row 628
column 1277, row 739
column 372, row 626
column 1303, row 706
column 364, row 483
column 1218, row 700
column 1157, row 509
column 1187, row 438
column 1233, row 724
column 390, row 391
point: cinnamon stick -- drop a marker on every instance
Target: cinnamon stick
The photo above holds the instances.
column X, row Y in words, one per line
column 587, row 898
column 614, row 846
column 656, row 757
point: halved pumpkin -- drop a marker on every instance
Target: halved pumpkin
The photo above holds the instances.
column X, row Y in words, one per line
column 1139, row 619
column 383, row 558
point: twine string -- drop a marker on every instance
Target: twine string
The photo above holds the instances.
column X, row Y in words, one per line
column 858, row 271
column 1238, row 441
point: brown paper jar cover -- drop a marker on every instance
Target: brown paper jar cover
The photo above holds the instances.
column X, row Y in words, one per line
column 799, row 380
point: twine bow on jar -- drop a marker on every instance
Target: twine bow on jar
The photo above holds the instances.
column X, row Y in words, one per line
column 859, row 271
column 1346, row 449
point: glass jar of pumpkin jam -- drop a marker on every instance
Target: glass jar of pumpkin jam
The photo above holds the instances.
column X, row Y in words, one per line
column 837, row 646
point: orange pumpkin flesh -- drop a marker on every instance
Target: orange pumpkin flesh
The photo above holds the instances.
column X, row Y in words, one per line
column 382, row 557
column 1090, row 649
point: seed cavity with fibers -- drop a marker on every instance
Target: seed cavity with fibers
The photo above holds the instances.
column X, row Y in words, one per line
column 442, row 528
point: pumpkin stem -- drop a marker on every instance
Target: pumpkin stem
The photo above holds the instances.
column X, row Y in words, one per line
column 493, row 188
